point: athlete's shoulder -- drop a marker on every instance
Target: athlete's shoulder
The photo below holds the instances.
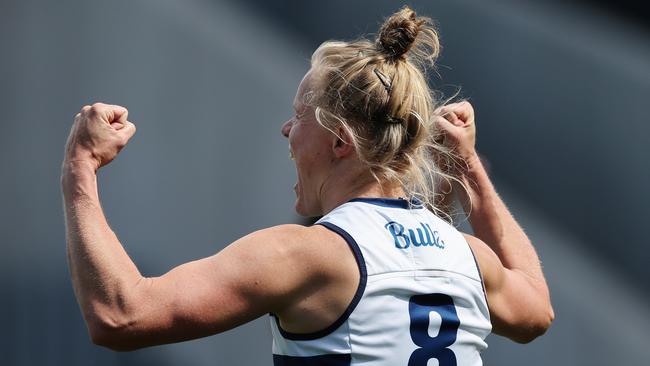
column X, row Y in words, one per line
column 312, row 246
column 286, row 233
column 293, row 235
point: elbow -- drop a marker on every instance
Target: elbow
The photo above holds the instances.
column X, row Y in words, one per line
column 536, row 328
column 112, row 333
column 117, row 325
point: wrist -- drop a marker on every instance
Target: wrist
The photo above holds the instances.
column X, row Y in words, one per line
column 77, row 159
column 78, row 167
column 470, row 171
column 76, row 175
column 473, row 162
column 468, row 164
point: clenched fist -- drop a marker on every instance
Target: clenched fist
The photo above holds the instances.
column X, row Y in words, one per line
column 456, row 122
column 98, row 134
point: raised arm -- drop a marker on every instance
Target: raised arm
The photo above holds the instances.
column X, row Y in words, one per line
column 100, row 269
column 518, row 296
column 124, row 310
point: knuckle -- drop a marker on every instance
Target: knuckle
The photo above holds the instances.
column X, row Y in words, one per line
column 123, row 141
column 97, row 107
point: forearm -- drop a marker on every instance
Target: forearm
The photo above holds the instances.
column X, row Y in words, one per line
column 102, row 273
column 519, row 299
column 493, row 223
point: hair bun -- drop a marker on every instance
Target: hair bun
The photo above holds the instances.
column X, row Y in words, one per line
column 398, row 33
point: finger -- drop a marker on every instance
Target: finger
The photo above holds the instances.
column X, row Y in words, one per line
column 108, row 113
column 128, row 130
column 444, row 125
column 116, row 115
column 464, row 111
column 448, row 112
column 120, row 116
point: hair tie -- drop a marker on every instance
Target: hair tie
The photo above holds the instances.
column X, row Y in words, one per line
column 394, row 120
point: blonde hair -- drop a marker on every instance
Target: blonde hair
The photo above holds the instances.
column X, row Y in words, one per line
column 378, row 92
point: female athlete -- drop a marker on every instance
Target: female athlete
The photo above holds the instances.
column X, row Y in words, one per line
column 380, row 279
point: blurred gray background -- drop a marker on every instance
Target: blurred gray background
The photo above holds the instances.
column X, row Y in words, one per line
column 560, row 91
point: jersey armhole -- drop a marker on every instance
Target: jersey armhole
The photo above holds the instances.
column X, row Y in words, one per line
column 363, row 279
column 480, row 275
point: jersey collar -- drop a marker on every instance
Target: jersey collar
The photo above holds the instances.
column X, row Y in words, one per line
column 390, row 202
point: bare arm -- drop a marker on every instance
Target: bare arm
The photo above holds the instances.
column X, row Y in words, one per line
column 124, row 310
column 493, row 223
column 517, row 292
column 100, row 269
column 102, row 273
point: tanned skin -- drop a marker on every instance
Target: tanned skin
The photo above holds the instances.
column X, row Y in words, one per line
column 125, row 310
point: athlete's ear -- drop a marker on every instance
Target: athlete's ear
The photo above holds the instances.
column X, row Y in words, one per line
column 342, row 143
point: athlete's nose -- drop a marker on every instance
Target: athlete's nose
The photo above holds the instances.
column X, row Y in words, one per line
column 286, row 128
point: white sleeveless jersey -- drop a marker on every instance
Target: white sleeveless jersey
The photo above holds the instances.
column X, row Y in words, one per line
column 420, row 300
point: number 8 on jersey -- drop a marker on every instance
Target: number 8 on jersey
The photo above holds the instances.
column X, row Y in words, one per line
column 420, row 306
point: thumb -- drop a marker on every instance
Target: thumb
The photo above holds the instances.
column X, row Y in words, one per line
column 452, row 117
column 119, row 117
column 127, row 131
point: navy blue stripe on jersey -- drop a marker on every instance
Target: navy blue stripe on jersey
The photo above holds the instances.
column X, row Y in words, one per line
column 480, row 275
column 391, row 202
column 322, row 360
column 363, row 279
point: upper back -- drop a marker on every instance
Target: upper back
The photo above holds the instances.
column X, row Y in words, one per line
column 420, row 295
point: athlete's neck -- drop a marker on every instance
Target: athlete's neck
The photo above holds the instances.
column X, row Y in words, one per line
column 350, row 180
